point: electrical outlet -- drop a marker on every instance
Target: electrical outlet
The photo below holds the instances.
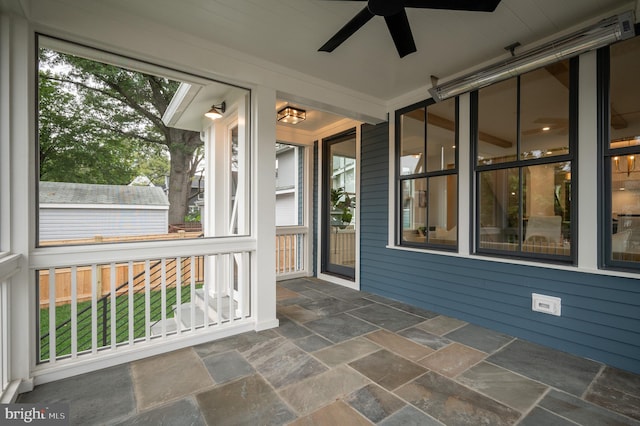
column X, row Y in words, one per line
column 546, row 304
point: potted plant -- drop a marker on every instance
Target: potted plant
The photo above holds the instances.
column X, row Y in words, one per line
column 341, row 204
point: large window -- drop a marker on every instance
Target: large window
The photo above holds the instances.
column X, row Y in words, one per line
column 622, row 153
column 125, row 154
column 524, row 157
column 427, row 174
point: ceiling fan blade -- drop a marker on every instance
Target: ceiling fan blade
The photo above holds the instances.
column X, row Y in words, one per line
column 347, row 31
column 400, row 30
column 470, row 5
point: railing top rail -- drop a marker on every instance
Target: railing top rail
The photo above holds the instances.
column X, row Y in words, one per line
column 48, row 257
column 288, row 230
column 9, row 265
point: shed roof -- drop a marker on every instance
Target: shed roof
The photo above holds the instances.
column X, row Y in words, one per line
column 85, row 193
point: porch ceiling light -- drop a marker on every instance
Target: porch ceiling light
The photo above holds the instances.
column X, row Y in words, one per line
column 291, row 115
column 605, row 32
column 216, row 111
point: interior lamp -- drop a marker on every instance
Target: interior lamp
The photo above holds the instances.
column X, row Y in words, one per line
column 291, row 115
column 216, row 111
column 631, row 164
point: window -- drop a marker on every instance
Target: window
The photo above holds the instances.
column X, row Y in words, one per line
column 125, row 155
column 524, row 156
column 289, row 184
column 427, row 174
column 621, row 153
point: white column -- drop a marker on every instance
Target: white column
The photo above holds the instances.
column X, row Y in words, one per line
column 216, row 201
column 465, row 209
column 263, row 206
column 588, row 160
column 242, row 192
column 17, row 175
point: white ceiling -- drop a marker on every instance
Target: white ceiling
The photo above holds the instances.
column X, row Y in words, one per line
column 289, row 33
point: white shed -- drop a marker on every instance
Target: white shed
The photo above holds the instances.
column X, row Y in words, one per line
column 80, row 210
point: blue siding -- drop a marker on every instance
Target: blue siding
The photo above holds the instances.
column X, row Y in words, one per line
column 600, row 314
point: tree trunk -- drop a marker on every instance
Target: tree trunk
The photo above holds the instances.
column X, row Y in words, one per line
column 182, row 150
column 179, row 186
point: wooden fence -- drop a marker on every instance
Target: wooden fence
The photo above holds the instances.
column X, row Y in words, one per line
column 84, row 280
column 99, row 239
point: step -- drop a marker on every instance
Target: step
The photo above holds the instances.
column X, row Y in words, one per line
column 199, row 306
column 213, row 304
column 185, row 318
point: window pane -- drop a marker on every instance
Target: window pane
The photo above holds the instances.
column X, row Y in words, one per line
column 443, row 209
column 340, row 239
column 625, row 206
column 497, row 122
column 545, row 224
column 113, row 169
column 414, row 210
column 499, row 209
column 547, row 206
column 625, row 93
column 412, row 137
column 441, row 136
column 544, row 112
column 289, row 191
column 625, row 132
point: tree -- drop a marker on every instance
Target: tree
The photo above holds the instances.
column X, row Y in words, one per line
column 103, row 124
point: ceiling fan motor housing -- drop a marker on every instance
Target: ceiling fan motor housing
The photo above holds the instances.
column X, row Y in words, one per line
column 385, row 7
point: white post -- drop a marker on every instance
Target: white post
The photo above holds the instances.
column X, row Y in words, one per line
column 464, row 175
column 217, row 199
column 17, row 170
column 263, row 217
column 588, row 160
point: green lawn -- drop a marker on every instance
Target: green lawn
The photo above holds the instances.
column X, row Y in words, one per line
column 63, row 313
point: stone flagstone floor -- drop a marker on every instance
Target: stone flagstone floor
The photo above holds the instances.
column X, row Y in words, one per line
column 342, row 357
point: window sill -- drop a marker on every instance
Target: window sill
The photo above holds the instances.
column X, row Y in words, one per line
column 547, row 265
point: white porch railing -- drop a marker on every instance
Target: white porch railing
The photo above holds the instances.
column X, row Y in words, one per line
column 101, row 302
column 292, row 252
column 9, row 265
column 343, row 246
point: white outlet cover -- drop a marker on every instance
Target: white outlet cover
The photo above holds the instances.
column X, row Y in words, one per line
column 546, row 304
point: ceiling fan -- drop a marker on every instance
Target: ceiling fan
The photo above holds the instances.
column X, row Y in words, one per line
column 395, row 16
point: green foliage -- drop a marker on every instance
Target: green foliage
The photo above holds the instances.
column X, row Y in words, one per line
column 70, row 148
column 103, row 124
column 193, row 216
column 153, row 163
column 342, row 202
